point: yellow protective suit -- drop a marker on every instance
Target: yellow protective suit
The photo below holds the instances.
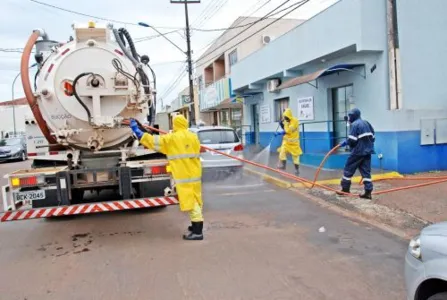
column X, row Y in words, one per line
column 182, row 149
column 291, row 139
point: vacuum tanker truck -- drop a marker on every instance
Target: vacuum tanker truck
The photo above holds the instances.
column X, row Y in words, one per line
column 82, row 95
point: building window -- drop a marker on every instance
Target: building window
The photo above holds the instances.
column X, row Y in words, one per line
column 232, row 57
column 280, row 107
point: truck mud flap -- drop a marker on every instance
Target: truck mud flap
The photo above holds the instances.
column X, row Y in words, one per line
column 89, row 208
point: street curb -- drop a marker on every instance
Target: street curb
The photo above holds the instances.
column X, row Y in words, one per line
column 355, row 179
column 352, row 215
column 271, row 179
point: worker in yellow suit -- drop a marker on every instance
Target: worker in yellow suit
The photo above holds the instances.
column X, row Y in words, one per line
column 182, row 149
column 290, row 142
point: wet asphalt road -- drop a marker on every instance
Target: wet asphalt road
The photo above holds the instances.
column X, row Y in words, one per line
column 261, row 243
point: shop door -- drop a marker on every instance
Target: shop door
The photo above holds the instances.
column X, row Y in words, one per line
column 341, row 104
column 255, row 118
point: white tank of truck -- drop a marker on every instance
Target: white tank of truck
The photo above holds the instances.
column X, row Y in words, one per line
column 87, row 86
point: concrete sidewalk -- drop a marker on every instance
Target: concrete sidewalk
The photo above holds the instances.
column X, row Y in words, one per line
column 409, row 210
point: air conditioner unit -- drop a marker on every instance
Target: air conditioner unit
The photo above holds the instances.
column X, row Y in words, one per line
column 266, row 39
column 272, row 85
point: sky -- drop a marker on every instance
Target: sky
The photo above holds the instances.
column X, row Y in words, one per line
column 20, row 17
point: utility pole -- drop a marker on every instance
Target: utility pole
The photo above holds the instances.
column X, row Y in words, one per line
column 192, row 114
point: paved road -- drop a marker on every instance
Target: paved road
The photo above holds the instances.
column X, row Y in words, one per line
column 261, row 243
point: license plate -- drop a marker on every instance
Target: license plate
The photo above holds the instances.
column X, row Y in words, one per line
column 30, row 196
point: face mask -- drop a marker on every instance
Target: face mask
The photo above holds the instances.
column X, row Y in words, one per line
column 348, row 123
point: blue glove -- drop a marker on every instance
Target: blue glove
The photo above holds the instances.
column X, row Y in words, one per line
column 279, row 133
column 344, row 143
column 136, row 129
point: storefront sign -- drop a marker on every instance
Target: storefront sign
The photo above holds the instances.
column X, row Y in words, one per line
column 186, row 100
column 265, row 114
column 306, row 109
column 214, row 94
column 210, row 97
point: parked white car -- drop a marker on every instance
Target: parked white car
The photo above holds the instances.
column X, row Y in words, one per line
column 225, row 140
column 426, row 264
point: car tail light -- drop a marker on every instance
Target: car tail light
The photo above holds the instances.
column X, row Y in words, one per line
column 239, row 147
column 54, row 152
column 158, row 170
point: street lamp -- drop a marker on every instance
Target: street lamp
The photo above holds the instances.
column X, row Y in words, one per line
column 187, row 53
column 12, row 99
column 161, row 34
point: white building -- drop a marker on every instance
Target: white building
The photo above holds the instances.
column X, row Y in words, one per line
column 213, row 69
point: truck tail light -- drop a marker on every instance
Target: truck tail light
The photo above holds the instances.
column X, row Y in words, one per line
column 54, row 152
column 32, row 154
column 24, row 181
column 239, row 147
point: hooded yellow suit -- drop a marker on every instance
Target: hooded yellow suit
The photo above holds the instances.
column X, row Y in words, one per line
column 182, row 149
column 291, row 140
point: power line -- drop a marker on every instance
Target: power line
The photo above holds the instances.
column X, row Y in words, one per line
column 270, row 13
column 176, row 29
column 166, row 63
column 236, row 24
column 299, row 4
column 258, row 9
column 173, row 81
column 204, row 12
column 150, row 37
column 174, row 85
column 95, row 17
column 212, row 13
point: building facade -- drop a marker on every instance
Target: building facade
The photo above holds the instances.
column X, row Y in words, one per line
column 217, row 104
column 342, row 58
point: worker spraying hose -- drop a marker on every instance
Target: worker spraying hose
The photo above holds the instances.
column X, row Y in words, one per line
column 361, row 141
column 290, row 142
column 182, row 149
column 433, row 180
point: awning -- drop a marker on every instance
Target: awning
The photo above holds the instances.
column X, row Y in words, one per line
column 225, row 104
column 318, row 74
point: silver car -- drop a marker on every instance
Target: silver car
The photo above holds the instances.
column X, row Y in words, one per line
column 13, row 149
column 426, row 264
column 226, row 140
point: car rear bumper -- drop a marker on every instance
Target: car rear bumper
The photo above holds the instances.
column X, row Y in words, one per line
column 11, row 157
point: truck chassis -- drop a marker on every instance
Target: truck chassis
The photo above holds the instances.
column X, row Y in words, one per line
column 59, row 191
